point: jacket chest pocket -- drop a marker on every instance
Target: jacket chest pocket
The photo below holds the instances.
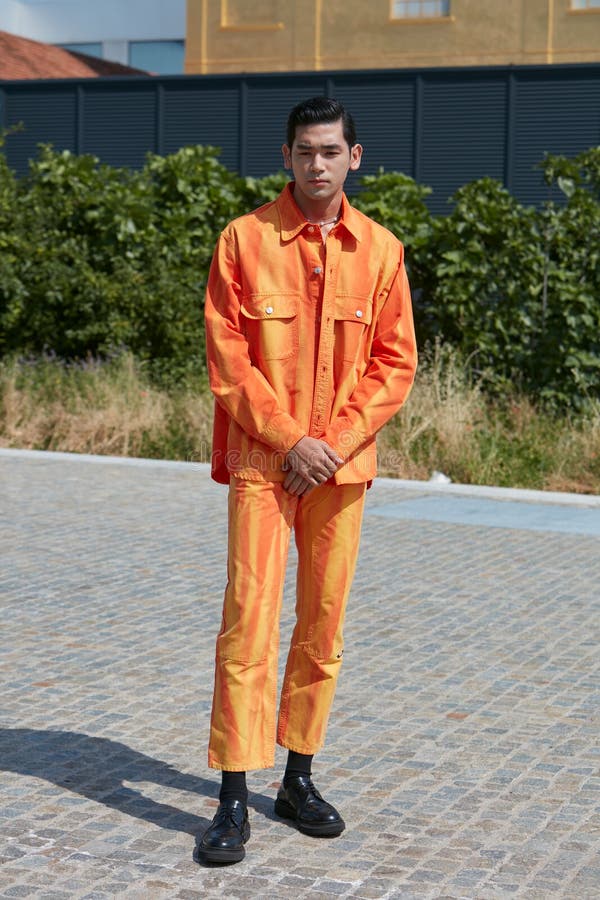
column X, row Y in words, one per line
column 270, row 323
column 352, row 319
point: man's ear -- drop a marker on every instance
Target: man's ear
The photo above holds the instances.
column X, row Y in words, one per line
column 287, row 157
column 355, row 157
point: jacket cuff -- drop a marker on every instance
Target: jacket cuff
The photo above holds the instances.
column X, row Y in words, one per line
column 343, row 438
column 282, row 432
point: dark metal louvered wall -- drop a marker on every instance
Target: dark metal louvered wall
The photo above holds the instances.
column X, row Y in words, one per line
column 444, row 127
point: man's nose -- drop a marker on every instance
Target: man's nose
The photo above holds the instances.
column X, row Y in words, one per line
column 316, row 164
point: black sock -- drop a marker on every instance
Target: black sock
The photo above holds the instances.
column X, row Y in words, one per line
column 233, row 787
column 297, row 764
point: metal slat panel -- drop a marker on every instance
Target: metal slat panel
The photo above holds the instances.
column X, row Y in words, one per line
column 268, row 106
column 47, row 117
column 552, row 116
column 203, row 115
column 463, row 133
column 119, row 125
column 383, row 110
column 443, row 126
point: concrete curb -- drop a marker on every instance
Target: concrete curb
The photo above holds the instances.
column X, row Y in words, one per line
column 429, row 487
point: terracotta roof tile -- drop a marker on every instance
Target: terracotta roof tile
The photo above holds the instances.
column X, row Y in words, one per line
column 23, row 58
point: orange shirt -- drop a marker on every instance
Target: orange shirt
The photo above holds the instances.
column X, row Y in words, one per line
column 305, row 337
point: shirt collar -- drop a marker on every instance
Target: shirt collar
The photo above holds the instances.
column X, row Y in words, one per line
column 293, row 220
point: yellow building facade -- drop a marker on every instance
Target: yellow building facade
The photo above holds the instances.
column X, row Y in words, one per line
column 310, row 35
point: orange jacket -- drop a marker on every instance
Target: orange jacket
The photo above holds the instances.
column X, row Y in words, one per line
column 305, row 337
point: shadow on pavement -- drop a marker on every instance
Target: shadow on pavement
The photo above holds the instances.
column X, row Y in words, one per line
column 96, row 768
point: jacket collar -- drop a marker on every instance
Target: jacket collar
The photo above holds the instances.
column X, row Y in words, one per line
column 293, row 221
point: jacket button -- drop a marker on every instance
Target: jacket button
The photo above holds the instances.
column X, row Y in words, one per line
column 359, row 313
column 269, row 310
column 317, row 270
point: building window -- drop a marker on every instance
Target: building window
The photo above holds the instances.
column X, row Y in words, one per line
column 585, row 4
column 88, row 49
column 420, row 9
column 160, row 57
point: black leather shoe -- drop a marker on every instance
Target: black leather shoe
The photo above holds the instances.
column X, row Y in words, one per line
column 224, row 839
column 301, row 801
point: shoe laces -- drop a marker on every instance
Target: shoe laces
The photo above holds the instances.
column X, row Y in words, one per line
column 312, row 789
column 228, row 815
column 306, row 783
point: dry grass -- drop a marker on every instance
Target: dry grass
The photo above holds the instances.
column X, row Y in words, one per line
column 104, row 409
column 577, row 458
column 431, row 432
column 447, row 425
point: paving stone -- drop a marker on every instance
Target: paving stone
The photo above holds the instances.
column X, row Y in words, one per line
column 463, row 745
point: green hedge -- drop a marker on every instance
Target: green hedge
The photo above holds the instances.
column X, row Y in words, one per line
column 515, row 289
column 96, row 260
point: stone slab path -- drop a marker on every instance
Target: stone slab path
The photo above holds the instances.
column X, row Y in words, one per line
column 463, row 749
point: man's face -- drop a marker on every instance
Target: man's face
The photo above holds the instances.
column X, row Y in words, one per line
column 320, row 159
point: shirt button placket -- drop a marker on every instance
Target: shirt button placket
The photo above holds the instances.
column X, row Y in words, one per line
column 326, row 337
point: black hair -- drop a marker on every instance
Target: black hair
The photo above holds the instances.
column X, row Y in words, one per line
column 318, row 110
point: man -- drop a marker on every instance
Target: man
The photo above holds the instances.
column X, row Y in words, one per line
column 311, row 349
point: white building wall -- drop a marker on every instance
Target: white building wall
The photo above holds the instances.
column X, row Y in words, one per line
column 79, row 21
column 10, row 15
column 109, row 26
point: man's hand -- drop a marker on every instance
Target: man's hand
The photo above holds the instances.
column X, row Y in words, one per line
column 297, row 485
column 313, row 460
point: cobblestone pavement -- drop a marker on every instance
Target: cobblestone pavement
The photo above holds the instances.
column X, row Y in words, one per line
column 463, row 747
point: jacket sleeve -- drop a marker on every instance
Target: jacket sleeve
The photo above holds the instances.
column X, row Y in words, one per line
column 239, row 387
column 389, row 376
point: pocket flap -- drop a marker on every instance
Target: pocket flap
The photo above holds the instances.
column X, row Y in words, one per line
column 354, row 309
column 270, row 306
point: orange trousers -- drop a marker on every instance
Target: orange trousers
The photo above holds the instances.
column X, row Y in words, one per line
column 326, row 524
